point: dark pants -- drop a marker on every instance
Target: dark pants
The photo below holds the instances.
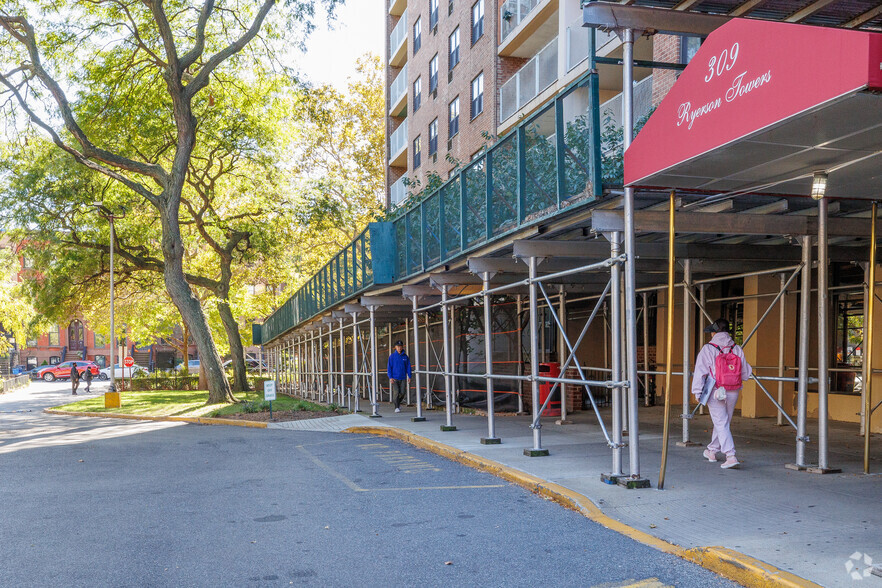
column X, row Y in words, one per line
column 88, row 385
column 74, row 384
column 399, row 389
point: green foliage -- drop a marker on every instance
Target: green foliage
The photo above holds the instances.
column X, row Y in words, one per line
column 612, row 147
column 165, row 381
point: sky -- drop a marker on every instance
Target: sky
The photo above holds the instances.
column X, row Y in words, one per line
column 331, row 54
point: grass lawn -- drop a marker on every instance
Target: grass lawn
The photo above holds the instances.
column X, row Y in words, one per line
column 184, row 403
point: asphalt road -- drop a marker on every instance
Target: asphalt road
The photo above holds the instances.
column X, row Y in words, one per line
column 97, row 502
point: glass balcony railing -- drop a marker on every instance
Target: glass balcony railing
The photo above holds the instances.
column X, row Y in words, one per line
column 536, row 75
column 397, row 192
column 512, row 13
column 398, row 140
column 399, row 34
column 398, row 89
column 579, row 42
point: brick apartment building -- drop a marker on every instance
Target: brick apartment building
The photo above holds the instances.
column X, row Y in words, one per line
column 460, row 71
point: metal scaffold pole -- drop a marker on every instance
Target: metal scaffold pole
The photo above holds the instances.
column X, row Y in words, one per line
column 416, row 360
column 536, row 450
column 632, row 376
column 491, row 438
column 868, row 343
column 520, row 342
column 823, row 342
column 375, row 377
column 562, row 351
column 646, row 348
column 688, row 328
column 781, row 326
column 804, row 324
column 343, row 398
column 615, row 239
column 448, row 392
column 355, row 390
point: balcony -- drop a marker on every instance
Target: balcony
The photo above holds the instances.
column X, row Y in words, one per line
column 398, row 146
column 579, row 43
column 526, row 26
column 397, row 192
column 398, row 42
column 398, row 94
column 397, row 7
column 537, row 74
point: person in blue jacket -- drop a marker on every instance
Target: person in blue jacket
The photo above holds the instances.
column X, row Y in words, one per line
column 398, row 370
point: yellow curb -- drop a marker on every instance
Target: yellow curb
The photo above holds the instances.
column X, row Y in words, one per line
column 736, row 566
column 174, row 419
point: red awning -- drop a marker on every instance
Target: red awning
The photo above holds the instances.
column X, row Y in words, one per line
column 764, row 104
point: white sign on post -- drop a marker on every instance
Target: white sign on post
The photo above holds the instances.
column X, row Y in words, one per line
column 269, row 390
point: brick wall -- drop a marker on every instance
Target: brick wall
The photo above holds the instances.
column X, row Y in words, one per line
column 664, row 48
column 474, row 59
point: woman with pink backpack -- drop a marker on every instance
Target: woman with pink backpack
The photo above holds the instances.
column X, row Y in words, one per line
column 721, row 366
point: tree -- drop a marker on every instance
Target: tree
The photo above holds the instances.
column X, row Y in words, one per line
column 338, row 163
column 140, row 96
column 18, row 319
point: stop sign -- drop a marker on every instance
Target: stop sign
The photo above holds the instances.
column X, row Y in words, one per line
column 129, row 361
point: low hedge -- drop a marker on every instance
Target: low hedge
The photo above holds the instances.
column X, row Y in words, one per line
column 165, row 381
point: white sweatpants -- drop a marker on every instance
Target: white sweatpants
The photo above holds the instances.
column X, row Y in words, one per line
column 721, row 414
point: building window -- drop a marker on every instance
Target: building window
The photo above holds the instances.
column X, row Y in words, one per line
column 433, row 137
column 417, row 93
column 54, row 360
column 100, row 340
column 477, row 95
column 32, row 362
column 101, row 361
column 27, row 262
column 417, row 35
column 32, row 343
column 477, row 20
column 54, row 337
column 454, row 48
column 688, row 48
column 433, row 74
column 417, row 152
column 450, row 7
column 453, row 126
column 433, row 13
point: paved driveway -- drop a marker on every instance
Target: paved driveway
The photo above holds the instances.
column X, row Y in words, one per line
column 91, row 502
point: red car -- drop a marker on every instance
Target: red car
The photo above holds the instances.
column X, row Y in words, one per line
column 50, row 373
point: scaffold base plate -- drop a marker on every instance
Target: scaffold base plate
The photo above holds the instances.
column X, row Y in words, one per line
column 611, row 479
column 418, row 419
column 490, row 440
column 688, row 444
column 820, row 470
column 563, row 422
column 376, row 416
column 536, row 452
column 634, row 483
column 446, row 428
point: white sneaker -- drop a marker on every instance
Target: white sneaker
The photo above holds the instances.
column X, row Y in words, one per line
column 731, row 462
column 397, row 410
column 710, row 455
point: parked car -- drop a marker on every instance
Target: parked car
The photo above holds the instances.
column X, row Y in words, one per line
column 192, row 366
column 120, row 372
column 50, row 373
column 251, row 364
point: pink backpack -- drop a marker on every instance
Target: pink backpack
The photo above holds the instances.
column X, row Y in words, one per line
column 727, row 369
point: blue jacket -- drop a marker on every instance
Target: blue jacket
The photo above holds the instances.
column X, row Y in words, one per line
column 399, row 366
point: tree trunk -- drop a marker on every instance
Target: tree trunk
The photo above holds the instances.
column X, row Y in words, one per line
column 190, row 309
column 237, row 351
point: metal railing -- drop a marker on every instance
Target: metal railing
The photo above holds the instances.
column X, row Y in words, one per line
column 611, row 110
column 398, row 140
column 544, row 163
column 512, row 13
column 346, row 275
column 399, row 34
column 578, row 45
column 398, row 89
column 535, row 76
column 398, row 192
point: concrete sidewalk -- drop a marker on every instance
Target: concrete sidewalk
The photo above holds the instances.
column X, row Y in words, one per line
column 807, row 524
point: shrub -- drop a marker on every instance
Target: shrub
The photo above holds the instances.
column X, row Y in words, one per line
column 165, row 381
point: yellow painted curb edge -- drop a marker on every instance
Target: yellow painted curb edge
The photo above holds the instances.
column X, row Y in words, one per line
column 736, row 566
column 174, row 419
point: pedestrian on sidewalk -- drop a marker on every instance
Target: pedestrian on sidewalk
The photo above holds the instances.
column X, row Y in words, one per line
column 87, row 376
column 74, row 379
column 722, row 360
column 398, row 370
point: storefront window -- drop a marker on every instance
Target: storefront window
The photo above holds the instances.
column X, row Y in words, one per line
column 848, row 344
